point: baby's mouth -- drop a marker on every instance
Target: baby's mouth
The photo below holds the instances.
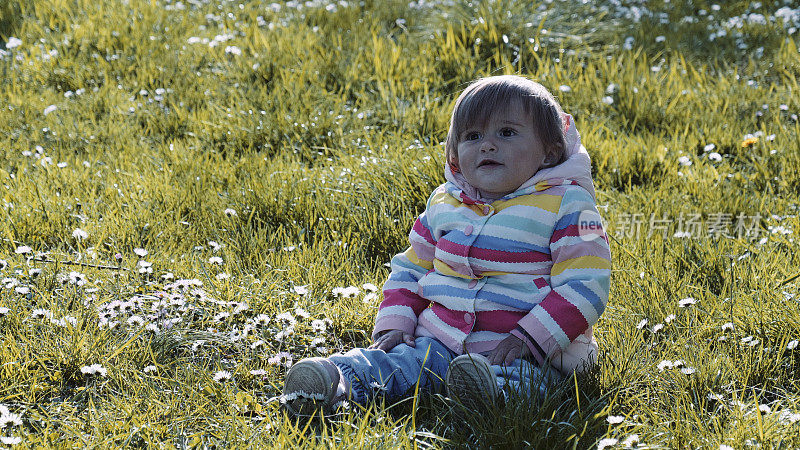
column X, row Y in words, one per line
column 489, row 163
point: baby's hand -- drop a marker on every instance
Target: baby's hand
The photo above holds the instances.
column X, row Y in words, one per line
column 507, row 351
column 391, row 339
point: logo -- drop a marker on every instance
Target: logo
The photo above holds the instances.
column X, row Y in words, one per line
column 590, row 225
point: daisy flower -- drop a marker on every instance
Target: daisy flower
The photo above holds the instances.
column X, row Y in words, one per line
column 222, row 375
column 345, row 292
column 319, row 326
column 94, row 369
column 41, row 313
column 286, row 319
column 79, row 234
column 77, row 278
column 13, row 42
column 606, row 442
column 665, row 364
column 23, row 249
column 300, row 290
column 281, row 359
column 261, row 319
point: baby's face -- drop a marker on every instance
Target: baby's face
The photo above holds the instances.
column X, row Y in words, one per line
column 498, row 157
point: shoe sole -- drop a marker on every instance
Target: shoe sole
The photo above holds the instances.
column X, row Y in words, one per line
column 308, row 389
column 471, row 381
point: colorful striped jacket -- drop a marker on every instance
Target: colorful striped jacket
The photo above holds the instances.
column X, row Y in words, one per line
column 524, row 264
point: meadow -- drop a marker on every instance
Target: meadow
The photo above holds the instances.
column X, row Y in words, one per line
column 197, row 193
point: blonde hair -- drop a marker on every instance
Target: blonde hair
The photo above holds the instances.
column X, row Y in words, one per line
column 485, row 96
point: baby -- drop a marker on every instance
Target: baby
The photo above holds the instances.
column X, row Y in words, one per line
column 508, row 266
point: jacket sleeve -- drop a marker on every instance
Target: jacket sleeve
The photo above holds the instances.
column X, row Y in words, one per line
column 579, row 279
column 401, row 302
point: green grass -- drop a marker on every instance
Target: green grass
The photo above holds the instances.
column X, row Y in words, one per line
column 322, row 128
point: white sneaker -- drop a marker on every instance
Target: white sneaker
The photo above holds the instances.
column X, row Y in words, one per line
column 311, row 386
column 470, row 380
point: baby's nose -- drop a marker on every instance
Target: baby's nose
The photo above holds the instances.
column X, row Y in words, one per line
column 488, row 145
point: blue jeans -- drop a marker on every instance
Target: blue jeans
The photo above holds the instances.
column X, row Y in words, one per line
column 395, row 373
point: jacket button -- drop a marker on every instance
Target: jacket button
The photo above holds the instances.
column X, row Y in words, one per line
column 472, row 284
column 468, row 230
column 468, row 318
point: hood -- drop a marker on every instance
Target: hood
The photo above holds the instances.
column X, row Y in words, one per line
column 577, row 167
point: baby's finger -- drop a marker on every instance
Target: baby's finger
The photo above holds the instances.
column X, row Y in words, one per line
column 498, row 356
column 388, row 344
column 378, row 342
column 510, row 357
column 409, row 340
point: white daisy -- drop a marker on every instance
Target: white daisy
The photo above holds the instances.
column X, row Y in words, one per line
column 614, row 420
column 665, row 364
column 94, row 369
column 23, row 249
column 79, row 234
column 300, row 290
column 606, row 442
column 222, row 375
column 13, row 42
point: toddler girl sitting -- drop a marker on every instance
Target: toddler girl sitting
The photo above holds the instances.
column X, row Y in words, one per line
column 508, row 266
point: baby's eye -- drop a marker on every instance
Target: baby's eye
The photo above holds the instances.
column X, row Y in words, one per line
column 506, row 132
column 472, row 135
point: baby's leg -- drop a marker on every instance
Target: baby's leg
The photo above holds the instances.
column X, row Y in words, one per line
column 370, row 371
